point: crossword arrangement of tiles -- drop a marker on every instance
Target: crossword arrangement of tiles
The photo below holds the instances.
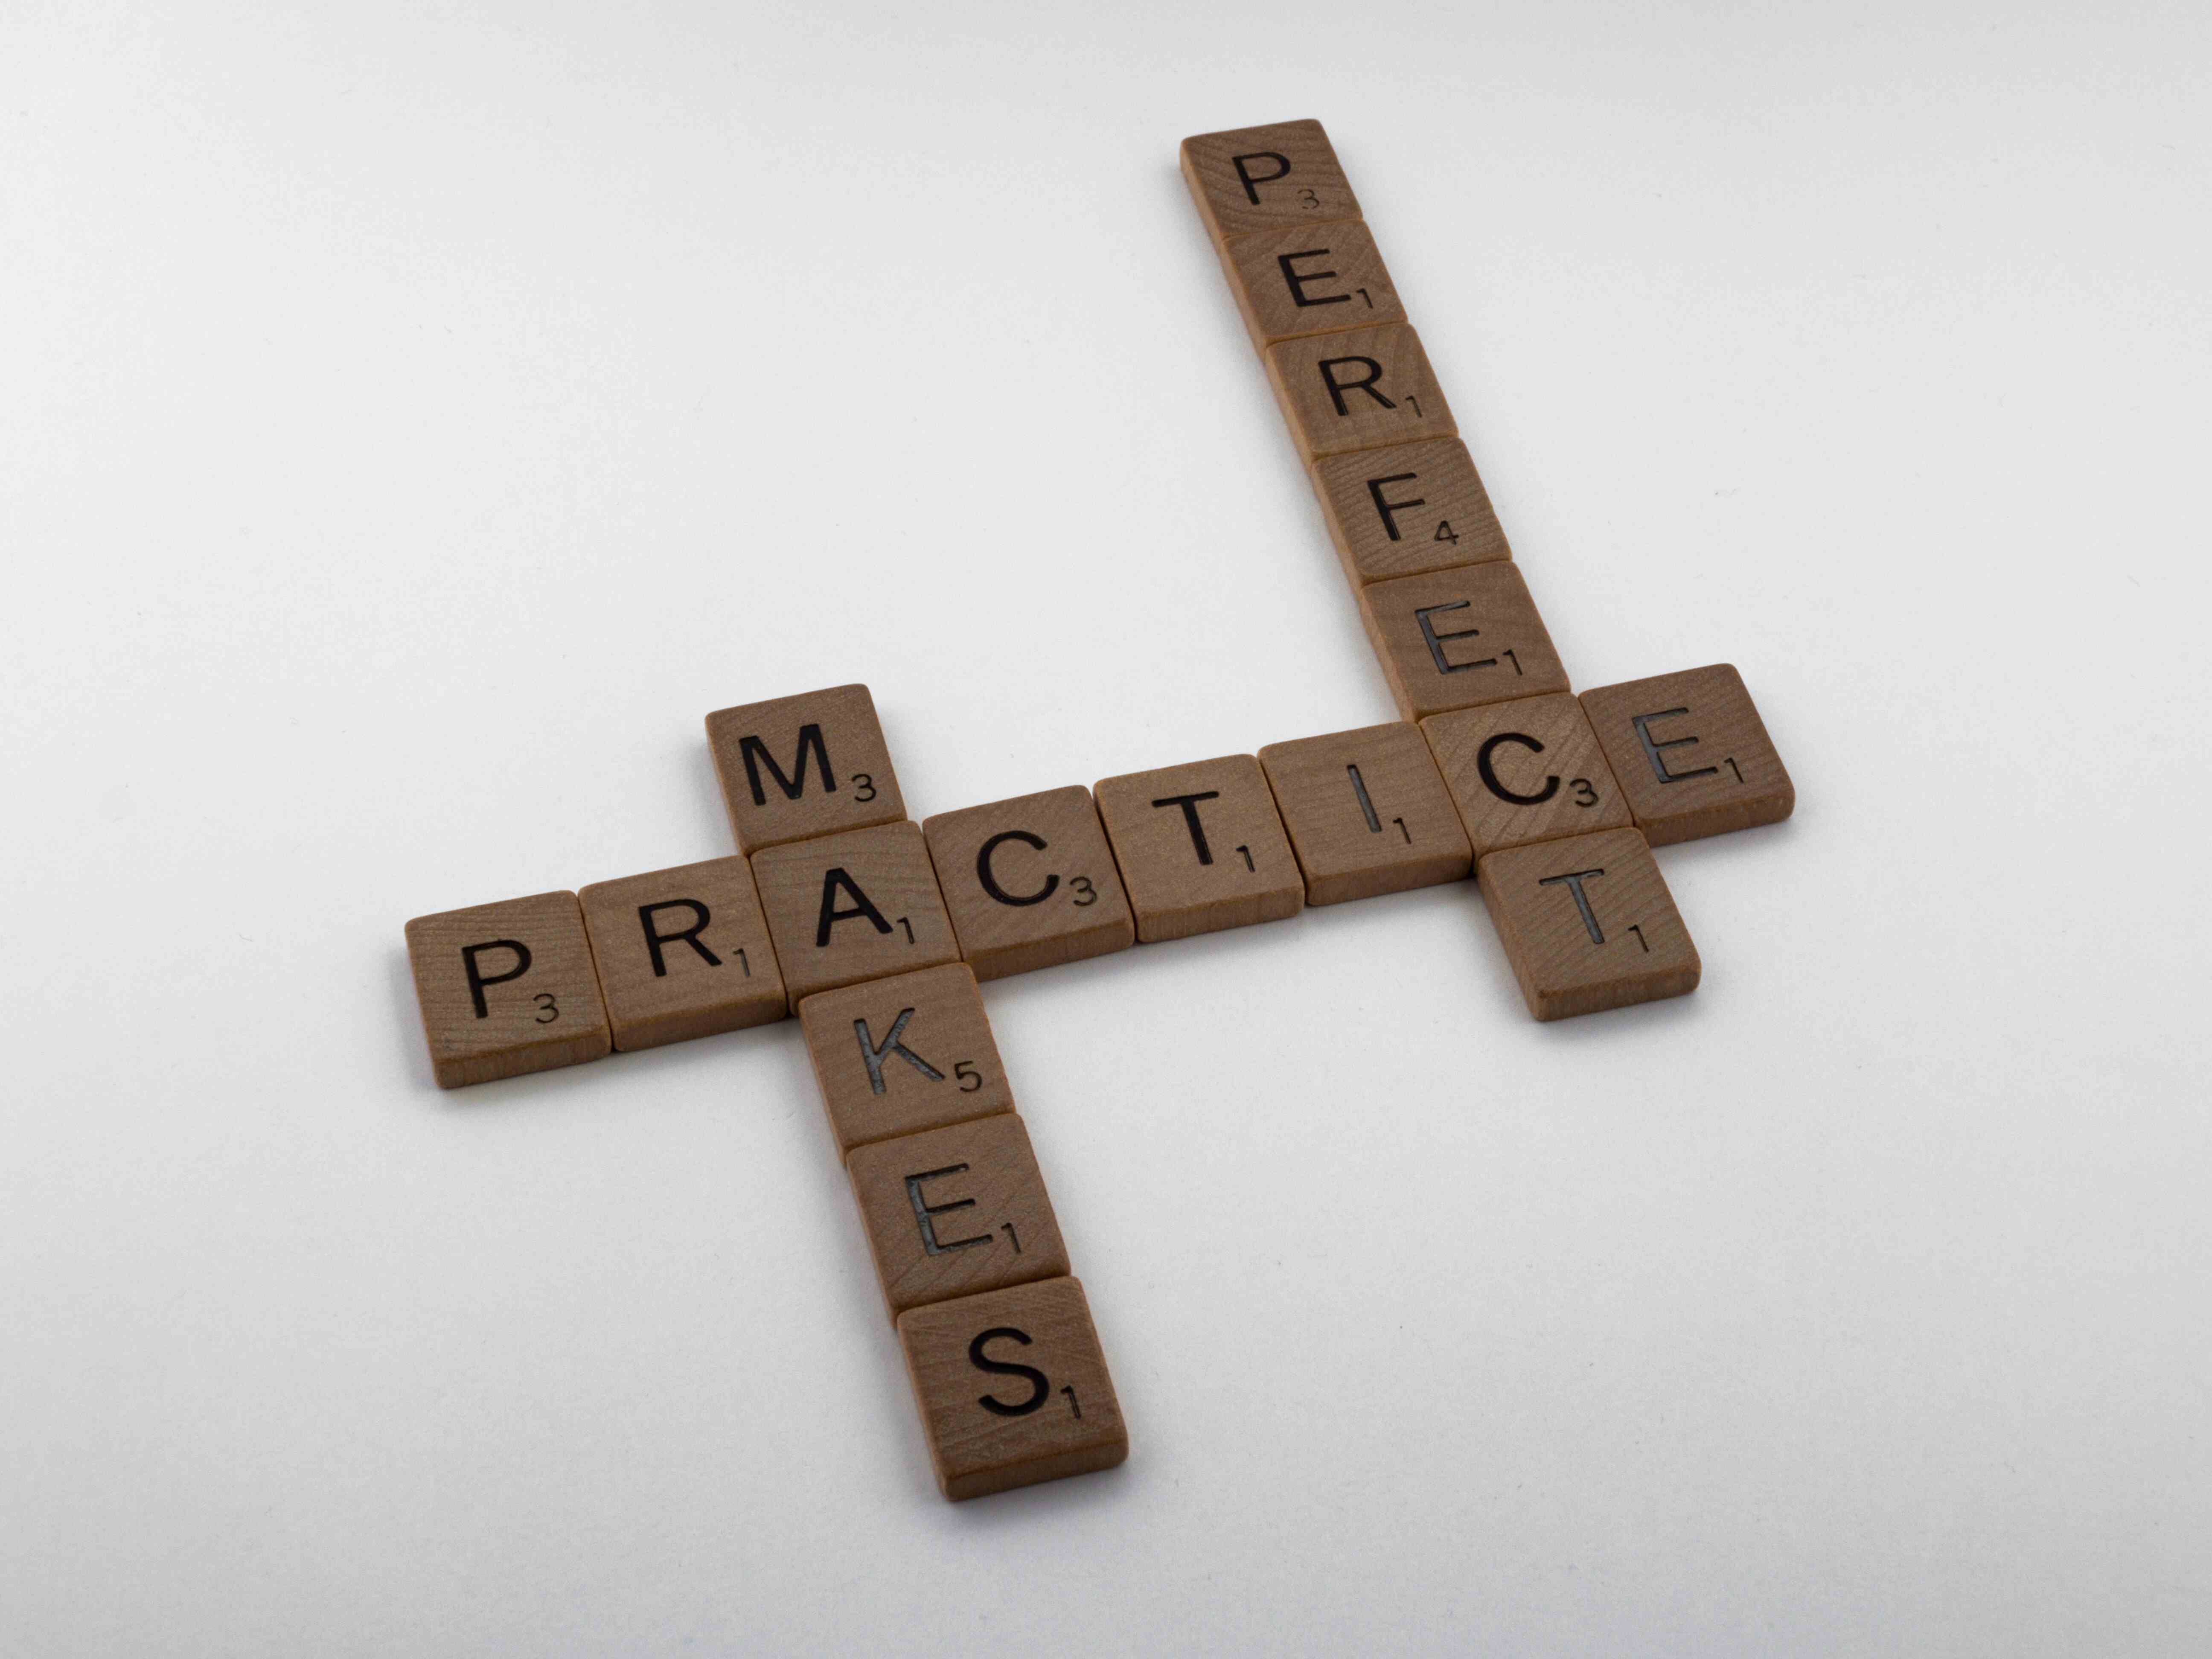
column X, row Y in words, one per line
column 874, row 931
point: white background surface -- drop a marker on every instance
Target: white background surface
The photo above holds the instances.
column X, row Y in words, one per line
column 414, row 419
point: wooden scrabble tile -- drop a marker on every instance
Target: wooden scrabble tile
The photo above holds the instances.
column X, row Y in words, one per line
column 862, row 905
column 956, row 1211
column 796, row 768
column 1265, row 179
column 1367, row 812
column 1013, row 1388
column 1407, row 509
column 1588, row 923
column 1358, row 390
column 507, row 988
column 1200, row 847
column 1691, row 753
column 682, row 953
column 894, row 1056
column 1310, row 279
column 1454, row 639
column 1525, row 770
column 1030, row 882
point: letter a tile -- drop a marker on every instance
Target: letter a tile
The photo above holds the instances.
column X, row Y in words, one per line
column 896, row 1056
column 1200, row 847
column 1691, row 753
column 956, row 1211
column 507, row 988
column 858, row 906
column 1013, row 1388
column 795, row 768
column 1030, row 882
column 1588, row 923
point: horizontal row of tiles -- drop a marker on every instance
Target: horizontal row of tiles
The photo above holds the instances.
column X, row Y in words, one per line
column 857, row 892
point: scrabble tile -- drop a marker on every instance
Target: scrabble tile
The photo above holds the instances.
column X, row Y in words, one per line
column 1367, row 812
column 1013, row 1388
column 1310, row 279
column 894, row 1056
column 507, row 988
column 862, row 905
column 1029, row 882
column 796, row 768
column 1588, row 923
column 682, row 953
column 1525, row 770
column 1407, row 509
column 1691, row 753
column 1200, row 847
column 956, row 1211
column 1358, row 390
column 1455, row 639
column 1265, row 179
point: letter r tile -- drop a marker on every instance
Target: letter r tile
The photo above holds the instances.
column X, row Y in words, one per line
column 682, row 953
column 1030, row 882
column 956, row 1211
column 1691, row 753
column 507, row 988
column 1358, row 390
column 795, row 768
column 859, row 906
column 1012, row 1388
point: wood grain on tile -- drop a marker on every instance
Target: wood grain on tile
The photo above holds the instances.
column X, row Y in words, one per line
column 1012, row 1388
column 1455, row 639
column 1367, row 812
column 1200, row 847
column 896, row 1056
column 1310, row 279
column 507, row 988
column 956, row 1211
column 1267, row 177
column 1691, row 753
column 1588, row 923
column 682, row 953
column 1407, row 509
column 1525, row 770
column 857, row 906
column 796, row 768
column 1030, row 883
column 1358, row 390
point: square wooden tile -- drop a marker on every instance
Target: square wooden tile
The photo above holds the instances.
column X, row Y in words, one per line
column 894, row 1056
column 507, row 988
column 1455, row 639
column 1200, row 847
column 1525, row 770
column 1030, row 882
column 1265, row 179
column 859, row 906
column 1588, row 923
column 1013, row 1388
column 956, row 1211
column 682, row 953
column 1358, row 390
column 1407, row 509
column 795, row 768
column 1690, row 753
column 1310, row 279
column 1367, row 812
